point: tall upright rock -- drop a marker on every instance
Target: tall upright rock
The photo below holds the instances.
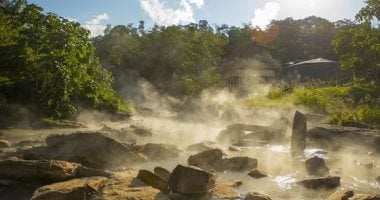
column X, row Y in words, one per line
column 298, row 139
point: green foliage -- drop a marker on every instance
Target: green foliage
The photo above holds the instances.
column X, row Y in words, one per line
column 50, row 61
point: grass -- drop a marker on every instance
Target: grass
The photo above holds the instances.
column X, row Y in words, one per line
column 351, row 103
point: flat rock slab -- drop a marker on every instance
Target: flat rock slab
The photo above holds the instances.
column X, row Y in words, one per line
column 227, row 189
column 329, row 182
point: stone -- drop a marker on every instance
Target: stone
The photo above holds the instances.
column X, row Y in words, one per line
column 27, row 143
column 125, row 185
column 239, row 163
column 341, row 194
column 91, row 149
column 160, row 151
column 366, row 197
column 191, row 181
column 162, row 172
column 230, row 136
column 5, row 144
column 76, row 189
column 202, row 146
column 142, row 132
column 206, row 159
column 257, row 174
column 226, row 189
column 153, row 180
column 45, row 170
column 298, row 137
column 378, row 179
column 316, row 166
column 256, row 196
column 329, row 182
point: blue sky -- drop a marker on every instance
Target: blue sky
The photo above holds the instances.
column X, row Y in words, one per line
column 95, row 14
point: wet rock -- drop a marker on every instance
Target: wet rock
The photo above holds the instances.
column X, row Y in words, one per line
column 143, row 132
column 329, row 182
column 5, row 144
column 76, row 189
column 336, row 137
column 206, row 159
column 160, row 151
column 230, row 136
column 202, row 146
column 251, row 143
column 257, row 174
column 256, row 196
column 49, row 123
column 191, row 181
column 316, row 166
column 91, row 149
column 298, row 138
column 153, row 180
column 240, row 163
column 45, row 170
column 125, row 185
column 125, row 135
column 341, row 194
column 366, row 197
column 29, row 143
column 378, row 179
column 162, row 172
column 226, row 189
column 234, row 148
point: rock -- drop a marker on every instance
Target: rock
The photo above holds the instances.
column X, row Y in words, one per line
column 378, row 179
column 206, row 159
column 160, row 151
column 143, row 132
column 27, row 143
column 234, row 148
column 76, row 189
column 329, row 182
column 49, row 123
column 125, row 185
column 191, row 181
column 202, row 146
column 316, row 166
column 366, row 197
column 336, row 137
column 230, row 136
column 256, row 196
column 241, row 163
column 226, row 189
column 250, row 143
column 298, row 138
column 341, row 194
column 125, row 135
column 5, row 144
column 162, row 172
column 45, row 170
column 91, row 149
column 257, row 174
column 153, row 180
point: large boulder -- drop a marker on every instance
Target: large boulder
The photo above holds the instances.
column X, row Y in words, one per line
column 5, row 144
column 299, row 130
column 203, row 146
column 76, row 189
column 191, row 181
column 162, row 172
column 91, row 149
column 336, row 137
column 160, row 151
column 153, row 180
column 206, row 159
column 240, row 163
column 341, row 194
column 316, row 166
column 45, row 170
column 256, row 196
column 329, row 182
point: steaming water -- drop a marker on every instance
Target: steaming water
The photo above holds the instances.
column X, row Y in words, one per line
column 283, row 170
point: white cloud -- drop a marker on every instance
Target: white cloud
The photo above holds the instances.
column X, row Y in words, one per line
column 263, row 16
column 97, row 24
column 164, row 15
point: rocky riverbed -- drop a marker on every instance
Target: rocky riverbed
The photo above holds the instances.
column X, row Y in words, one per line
column 160, row 158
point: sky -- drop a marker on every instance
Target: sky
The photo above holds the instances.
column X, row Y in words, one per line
column 96, row 14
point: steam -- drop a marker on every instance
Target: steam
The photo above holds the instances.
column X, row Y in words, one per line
column 161, row 14
column 263, row 16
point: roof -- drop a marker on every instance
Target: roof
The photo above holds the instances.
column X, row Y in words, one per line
column 313, row 61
